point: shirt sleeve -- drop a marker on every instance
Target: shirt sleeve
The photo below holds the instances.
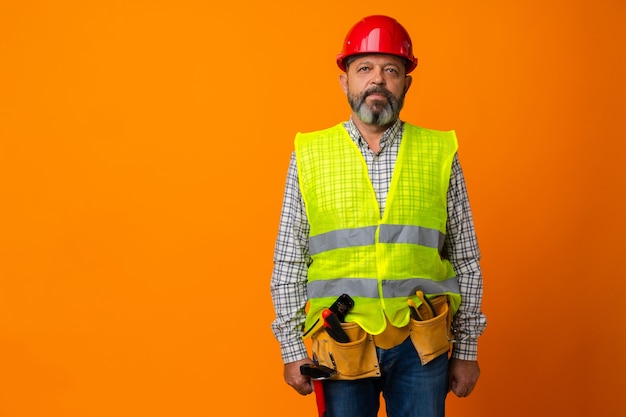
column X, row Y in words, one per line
column 461, row 249
column 289, row 275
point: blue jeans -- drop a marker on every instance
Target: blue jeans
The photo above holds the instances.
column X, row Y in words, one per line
column 409, row 389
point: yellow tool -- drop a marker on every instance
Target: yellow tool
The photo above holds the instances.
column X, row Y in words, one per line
column 415, row 313
column 430, row 312
column 425, row 311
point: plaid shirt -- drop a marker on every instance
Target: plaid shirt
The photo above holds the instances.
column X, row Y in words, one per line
column 291, row 252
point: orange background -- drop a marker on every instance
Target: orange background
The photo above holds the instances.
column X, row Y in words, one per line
column 144, row 147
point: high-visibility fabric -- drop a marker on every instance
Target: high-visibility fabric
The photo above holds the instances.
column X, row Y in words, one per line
column 380, row 263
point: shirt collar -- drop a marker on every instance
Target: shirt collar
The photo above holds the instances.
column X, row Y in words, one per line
column 387, row 139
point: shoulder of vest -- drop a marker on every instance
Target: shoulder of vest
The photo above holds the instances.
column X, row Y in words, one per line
column 422, row 130
column 331, row 131
column 322, row 132
column 445, row 136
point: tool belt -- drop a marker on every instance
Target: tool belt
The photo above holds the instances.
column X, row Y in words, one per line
column 357, row 359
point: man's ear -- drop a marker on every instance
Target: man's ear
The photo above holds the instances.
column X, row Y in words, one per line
column 343, row 80
column 407, row 83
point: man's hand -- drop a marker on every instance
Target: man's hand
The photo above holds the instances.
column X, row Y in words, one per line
column 463, row 376
column 295, row 379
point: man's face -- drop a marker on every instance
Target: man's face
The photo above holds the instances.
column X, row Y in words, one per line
column 375, row 86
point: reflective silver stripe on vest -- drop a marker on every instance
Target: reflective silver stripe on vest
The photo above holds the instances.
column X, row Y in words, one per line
column 368, row 287
column 397, row 233
column 363, row 236
column 357, row 287
column 344, row 238
column 402, row 288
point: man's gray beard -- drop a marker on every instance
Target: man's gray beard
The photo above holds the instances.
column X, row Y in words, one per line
column 377, row 114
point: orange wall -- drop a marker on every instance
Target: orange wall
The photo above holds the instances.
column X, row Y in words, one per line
column 143, row 151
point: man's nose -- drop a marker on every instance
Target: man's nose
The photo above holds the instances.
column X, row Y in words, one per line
column 378, row 76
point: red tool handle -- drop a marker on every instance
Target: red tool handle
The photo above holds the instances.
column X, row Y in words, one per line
column 318, row 386
column 333, row 326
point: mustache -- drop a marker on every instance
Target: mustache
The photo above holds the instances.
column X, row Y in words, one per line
column 378, row 90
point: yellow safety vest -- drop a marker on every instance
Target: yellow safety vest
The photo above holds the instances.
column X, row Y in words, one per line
column 380, row 263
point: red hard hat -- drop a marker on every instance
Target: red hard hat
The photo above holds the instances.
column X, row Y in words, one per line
column 378, row 34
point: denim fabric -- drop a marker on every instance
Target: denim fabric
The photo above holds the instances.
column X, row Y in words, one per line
column 409, row 389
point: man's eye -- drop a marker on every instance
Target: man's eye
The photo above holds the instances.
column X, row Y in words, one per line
column 363, row 69
column 392, row 70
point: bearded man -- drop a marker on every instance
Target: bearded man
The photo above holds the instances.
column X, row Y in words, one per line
column 376, row 209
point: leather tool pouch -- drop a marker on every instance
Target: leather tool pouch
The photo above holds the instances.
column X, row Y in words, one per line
column 431, row 337
column 353, row 360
